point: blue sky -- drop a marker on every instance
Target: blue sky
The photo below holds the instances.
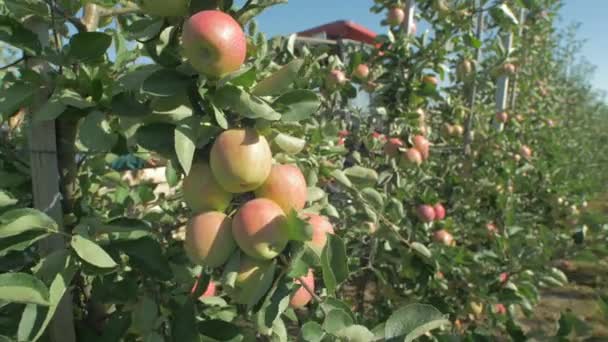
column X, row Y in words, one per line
column 298, row 15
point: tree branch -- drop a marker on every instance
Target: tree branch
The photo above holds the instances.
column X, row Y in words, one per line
column 72, row 20
column 10, row 65
column 113, row 12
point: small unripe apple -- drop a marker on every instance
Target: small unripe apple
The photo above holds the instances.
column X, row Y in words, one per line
column 439, row 211
column 361, row 72
column 395, row 16
column 302, row 297
column 502, row 117
column 335, row 78
column 241, row 160
column 444, row 237
column 525, row 151
column 458, row 130
column 214, row 43
column 173, row 8
column 426, row 213
column 286, row 186
column 464, row 69
column 412, row 156
column 209, row 239
column 391, row 148
column 430, row 80
column 259, row 229
column 508, row 69
column 320, row 228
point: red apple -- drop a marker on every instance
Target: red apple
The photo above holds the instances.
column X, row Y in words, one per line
column 361, row 72
column 422, row 144
column 458, row 130
column 335, row 78
column 395, row 16
column 302, row 297
column 214, row 43
column 320, row 228
column 286, row 186
column 444, row 237
column 391, row 148
column 343, row 133
column 430, row 80
column 209, row 292
column 525, row 151
column 508, row 69
column 503, row 277
column 426, row 213
column 413, row 156
column 500, row 309
column 502, row 117
column 439, row 211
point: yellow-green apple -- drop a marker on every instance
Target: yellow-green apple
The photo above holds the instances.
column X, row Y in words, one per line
column 214, row 43
column 426, row 213
column 391, row 148
column 201, row 191
column 430, row 80
column 259, row 229
column 250, row 275
column 476, row 308
column 508, row 68
column 395, row 16
column 302, row 297
column 241, row 160
column 464, row 69
column 447, row 130
column 209, row 239
column 173, row 8
column 320, row 228
column 286, row 186
column 525, row 151
column 361, row 71
column 458, row 130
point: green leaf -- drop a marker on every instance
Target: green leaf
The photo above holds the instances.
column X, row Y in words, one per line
column 297, row 105
column 413, row 321
column 158, row 137
column 88, row 46
column 334, row 263
column 336, row 320
column 23, row 288
column 421, row 250
column 312, row 332
column 273, row 307
column 373, row 197
column 51, row 109
column 355, row 333
column 508, row 13
column 297, row 228
column 244, row 104
column 14, row 33
column 13, row 97
column 280, row 80
column 341, row 178
column 183, row 323
column 125, row 104
column 21, row 242
column 95, row 133
column 71, row 98
column 147, row 255
column 263, row 285
column 6, row 200
column 36, row 318
column 18, row 221
column 165, row 82
column 220, row 330
column 362, row 175
column 290, row 145
column 90, row 252
column 186, row 136
column 144, row 315
column 314, row 194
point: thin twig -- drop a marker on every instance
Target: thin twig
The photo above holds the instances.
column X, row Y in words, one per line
column 55, row 35
column 131, row 9
column 74, row 21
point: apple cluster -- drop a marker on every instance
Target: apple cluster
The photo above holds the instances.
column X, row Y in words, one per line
column 419, row 152
column 241, row 162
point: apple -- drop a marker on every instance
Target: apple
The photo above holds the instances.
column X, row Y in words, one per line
column 458, row 130
column 259, row 229
column 422, row 144
column 447, row 130
column 241, row 160
column 492, row 229
column 201, row 191
column 503, row 277
column 508, row 68
column 173, row 8
column 444, row 237
column 476, row 308
column 502, row 117
column 519, row 118
column 214, row 43
column 286, row 186
column 343, row 133
column 439, row 211
column 426, row 213
column 430, row 80
column 500, row 309
column 464, row 69
column 209, row 239
column 341, row 141
column 335, row 78
column 302, row 297
column 250, row 275
column 210, row 291
column 391, row 148
column 413, row 156
column 378, row 136
column 320, row 228
column 395, row 16
column 525, row 152
column 361, row 72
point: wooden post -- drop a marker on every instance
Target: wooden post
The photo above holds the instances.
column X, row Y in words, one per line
column 468, row 122
column 502, row 86
column 410, row 11
column 45, row 188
